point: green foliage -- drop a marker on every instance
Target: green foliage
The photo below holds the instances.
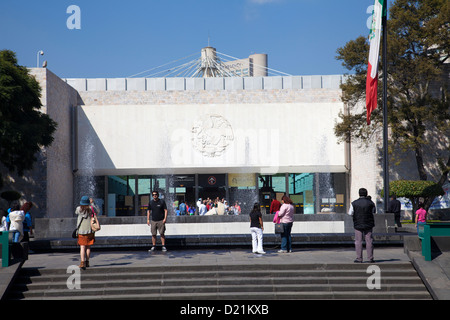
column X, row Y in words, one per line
column 24, row 129
column 415, row 188
column 418, row 44
column 416, row 191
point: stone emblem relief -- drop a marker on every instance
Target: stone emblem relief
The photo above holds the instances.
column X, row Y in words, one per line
column 211, row 135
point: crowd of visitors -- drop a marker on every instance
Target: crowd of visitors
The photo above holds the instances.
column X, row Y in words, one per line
column 207, row 206
column 17, row 219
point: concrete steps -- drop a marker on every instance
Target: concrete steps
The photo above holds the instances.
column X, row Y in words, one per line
column 259, row 281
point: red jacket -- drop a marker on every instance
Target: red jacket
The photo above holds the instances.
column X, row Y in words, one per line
column 275, row 206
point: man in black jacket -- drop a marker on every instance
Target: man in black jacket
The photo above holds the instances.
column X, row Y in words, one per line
column 395, row 207
column 363, row 222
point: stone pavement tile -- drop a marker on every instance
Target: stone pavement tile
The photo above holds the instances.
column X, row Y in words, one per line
column 444, row 262
column 208, row 257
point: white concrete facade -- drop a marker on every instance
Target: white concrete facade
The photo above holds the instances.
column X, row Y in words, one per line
column 218, row 228
column 234, row 138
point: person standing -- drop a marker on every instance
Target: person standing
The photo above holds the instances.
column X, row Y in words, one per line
column 3, row 220
column 395, row 207
column 421, row 216
column 191, row 210
column 363, row 223
column 286, row 215
column 86, row 236
column 256, row 229
column 158, row 209
column 183, row 208
column 202, row 208
column 27, row 223
column 16, row 217
column 274, row 206
column 220, row 208
column 237, row 208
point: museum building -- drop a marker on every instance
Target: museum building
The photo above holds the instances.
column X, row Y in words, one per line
column 244, row 139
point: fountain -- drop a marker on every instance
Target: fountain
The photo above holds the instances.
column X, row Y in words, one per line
column 85, row 180
column 327, row 194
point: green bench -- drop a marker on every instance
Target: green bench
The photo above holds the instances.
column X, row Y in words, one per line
column 428, row 230
column 4, row 241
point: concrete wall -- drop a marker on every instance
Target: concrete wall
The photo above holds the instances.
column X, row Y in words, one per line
column 146, row 126
column 181, row 84
column 58, row 99
column 212, row 225
column 266, row 138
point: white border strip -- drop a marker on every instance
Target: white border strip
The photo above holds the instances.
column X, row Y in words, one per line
column 223, row 228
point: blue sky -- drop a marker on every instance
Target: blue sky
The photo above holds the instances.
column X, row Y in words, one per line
column 120, row 38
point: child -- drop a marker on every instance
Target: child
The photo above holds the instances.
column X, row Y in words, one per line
column 421, row 216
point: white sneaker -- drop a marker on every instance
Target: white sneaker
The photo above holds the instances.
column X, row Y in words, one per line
column 164, row 249
column 152, row 249
column 282, row 251
column 261, row 252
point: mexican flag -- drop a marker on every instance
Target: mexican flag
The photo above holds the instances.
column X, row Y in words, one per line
column 372, row 70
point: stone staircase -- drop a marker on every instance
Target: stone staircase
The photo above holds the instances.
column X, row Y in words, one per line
column 228, row 282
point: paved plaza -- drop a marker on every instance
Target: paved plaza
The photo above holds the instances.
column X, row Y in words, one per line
column 196, row 257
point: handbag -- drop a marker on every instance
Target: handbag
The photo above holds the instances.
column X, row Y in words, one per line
column 279, row 228
column 95, row 225
column 276, row 219
column 75, row 232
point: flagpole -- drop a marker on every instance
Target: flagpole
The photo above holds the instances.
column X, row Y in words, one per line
column 385, row 115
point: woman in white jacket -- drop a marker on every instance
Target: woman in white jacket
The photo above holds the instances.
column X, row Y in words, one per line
column 16, row 217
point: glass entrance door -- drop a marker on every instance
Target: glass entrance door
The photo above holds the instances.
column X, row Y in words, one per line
column 212, row 186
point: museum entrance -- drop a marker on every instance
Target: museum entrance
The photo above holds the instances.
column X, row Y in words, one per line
column 181, row 189
column 310, row 192
column 211, row 186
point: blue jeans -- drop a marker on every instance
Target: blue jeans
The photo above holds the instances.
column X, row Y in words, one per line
column 418, row 224
column 16, row 236
column 286, row 243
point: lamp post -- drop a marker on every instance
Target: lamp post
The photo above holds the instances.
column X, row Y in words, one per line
column 40, row 52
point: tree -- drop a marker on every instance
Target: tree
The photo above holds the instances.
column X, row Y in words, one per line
column 24, row 129
column 418, row 93
column 416, row 191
